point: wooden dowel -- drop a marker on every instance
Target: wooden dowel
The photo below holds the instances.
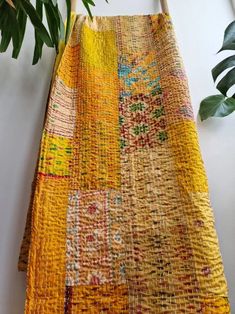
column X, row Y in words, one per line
column 164, row 6
column 73, row 5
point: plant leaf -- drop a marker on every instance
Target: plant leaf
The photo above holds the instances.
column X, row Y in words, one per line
column 5, row 40
column 62, row 30
column 88, row 8
column 52, row 22
column 226, row 82
column 90, row 2
column 15, row 30
column 223, row 65
column 216, row 106
column 37, row 23
column 5, row 29
column 229, row 38
column 3, row 16
column 22, row 20
column 38, row 41
column 68, row 21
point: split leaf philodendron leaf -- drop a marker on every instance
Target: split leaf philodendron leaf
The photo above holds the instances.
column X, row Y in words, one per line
column 229, row 38
column 222, row 105
column 216, row 106
column 226, row 82
column 222, row 66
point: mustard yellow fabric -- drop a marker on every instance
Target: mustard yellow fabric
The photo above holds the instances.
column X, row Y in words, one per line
column 120, row 219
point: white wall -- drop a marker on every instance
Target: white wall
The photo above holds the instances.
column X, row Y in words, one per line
column 199, row 27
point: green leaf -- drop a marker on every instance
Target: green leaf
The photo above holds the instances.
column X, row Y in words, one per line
column 5, row 40
column 22, row 20
column 68, row 23
column 60, row 23
column 216, row 106
column 56, row 13
column 52, row 22
column 37, row 48
column 226, row 82
column 15, row 34
column 90, row 2
column 37, row 23
column 88, row 8
column 5, row 29
column 222, row 66
column 229, row 38
column 62, row 30
column 38, row 41
column 2, row 17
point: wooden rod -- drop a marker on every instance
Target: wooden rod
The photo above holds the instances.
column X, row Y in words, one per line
column 73, row 5
column 164, row 5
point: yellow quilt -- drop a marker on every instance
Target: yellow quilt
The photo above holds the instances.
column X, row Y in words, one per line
column 120, row 219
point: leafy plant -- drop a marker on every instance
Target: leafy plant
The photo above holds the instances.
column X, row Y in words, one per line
column 221, row 105
column 13, row 19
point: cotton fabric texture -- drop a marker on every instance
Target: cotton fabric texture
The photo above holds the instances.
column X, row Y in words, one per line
column 120, row 219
